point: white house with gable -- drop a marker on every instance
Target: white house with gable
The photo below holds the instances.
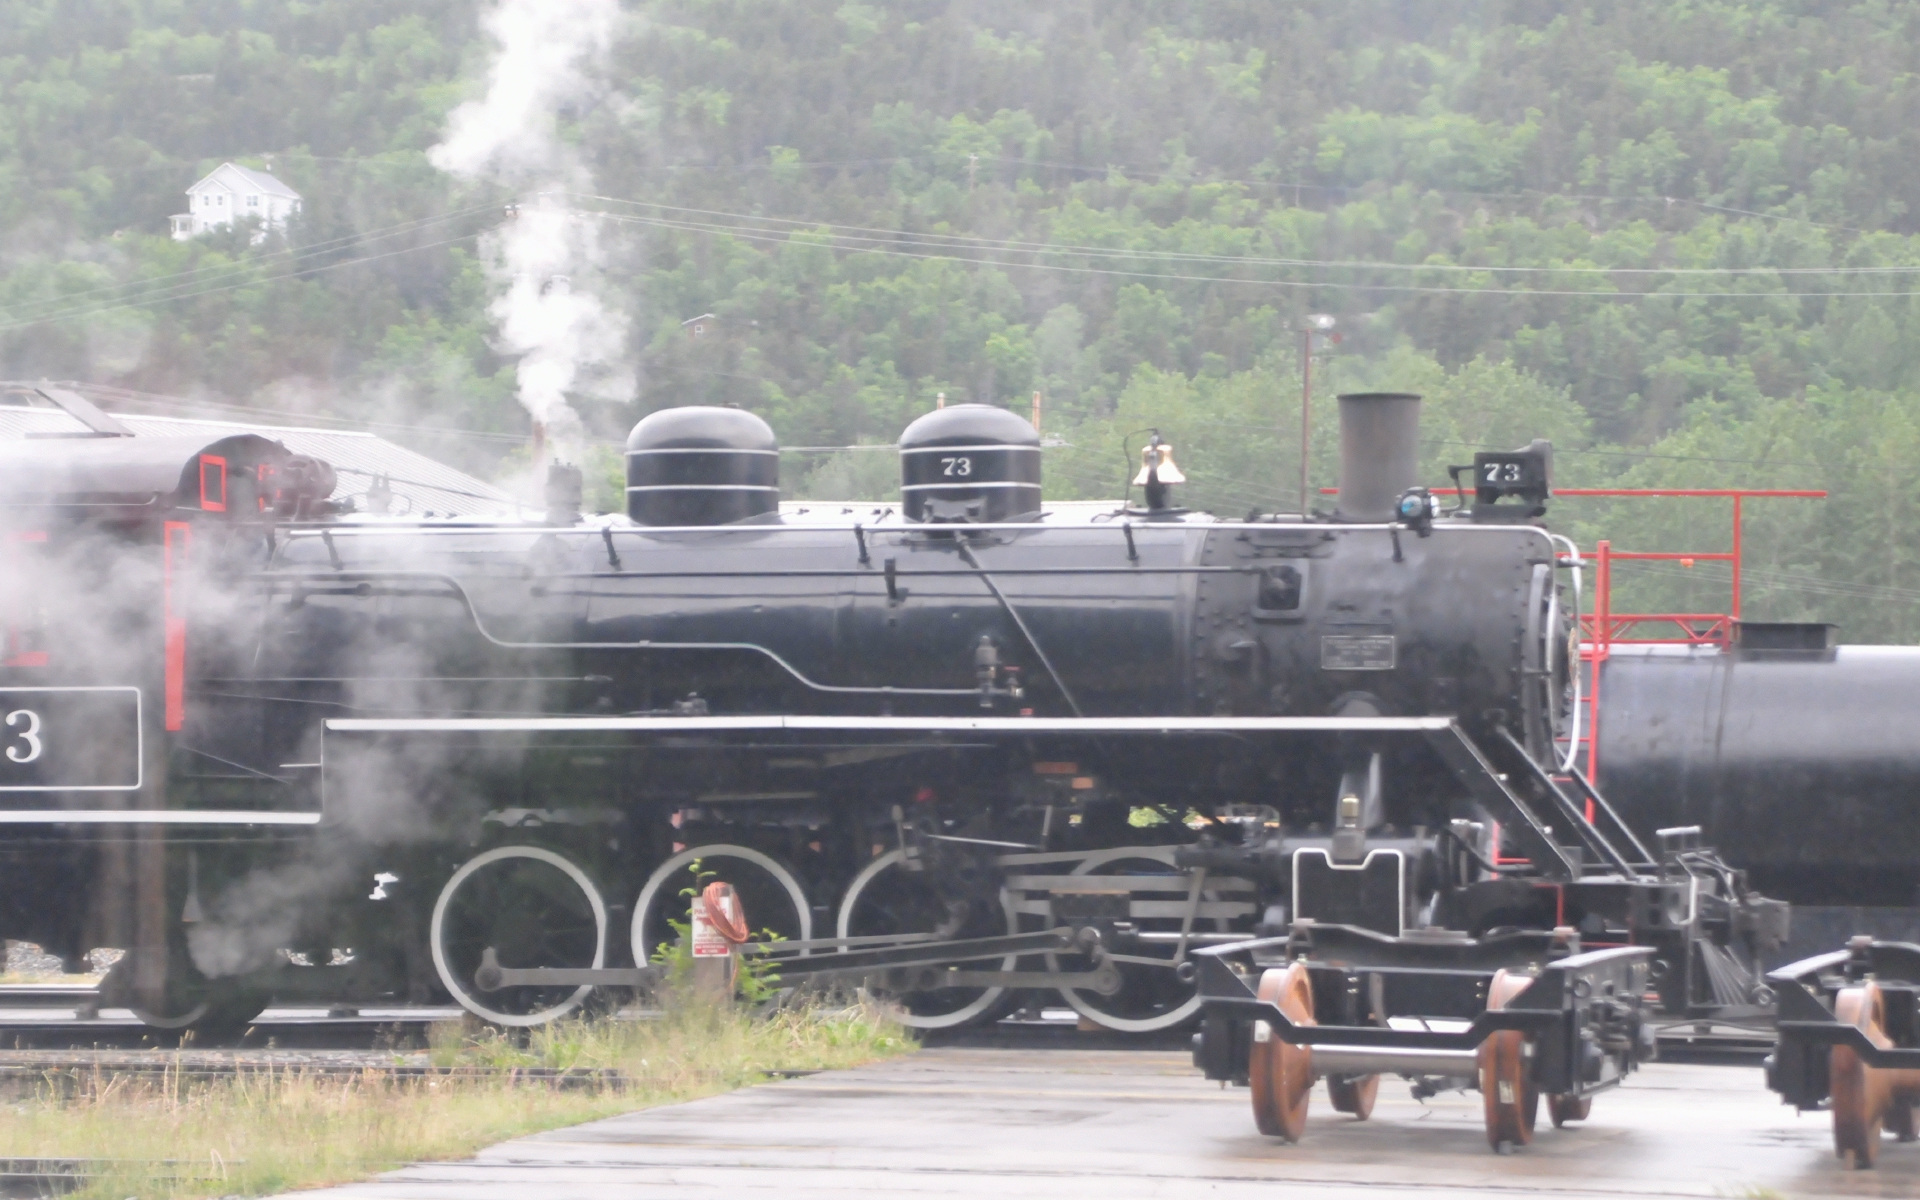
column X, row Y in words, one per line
column 233, row 193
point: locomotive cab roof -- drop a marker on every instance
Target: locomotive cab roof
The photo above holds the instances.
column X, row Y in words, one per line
column 239, row 475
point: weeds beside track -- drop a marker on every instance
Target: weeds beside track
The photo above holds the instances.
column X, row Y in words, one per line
column 185, row 1129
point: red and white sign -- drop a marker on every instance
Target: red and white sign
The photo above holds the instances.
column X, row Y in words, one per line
column 707, row 939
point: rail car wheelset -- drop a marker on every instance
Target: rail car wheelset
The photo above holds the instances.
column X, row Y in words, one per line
column 1311, row 784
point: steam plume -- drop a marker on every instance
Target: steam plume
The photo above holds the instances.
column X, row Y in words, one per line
column 545, row 258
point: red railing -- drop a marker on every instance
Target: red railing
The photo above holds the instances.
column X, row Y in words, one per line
column 1602, row 629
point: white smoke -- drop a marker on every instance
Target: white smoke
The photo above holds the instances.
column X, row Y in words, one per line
column 546, row 258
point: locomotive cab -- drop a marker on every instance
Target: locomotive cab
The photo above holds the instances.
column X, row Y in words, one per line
column 108, row 543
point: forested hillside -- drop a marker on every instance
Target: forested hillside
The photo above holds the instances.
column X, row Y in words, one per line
column 1679, row 238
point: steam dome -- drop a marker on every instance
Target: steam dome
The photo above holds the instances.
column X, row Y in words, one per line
column 969, row 462
column 702, row 466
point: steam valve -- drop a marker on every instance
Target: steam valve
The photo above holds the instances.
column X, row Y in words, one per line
column 988, row 669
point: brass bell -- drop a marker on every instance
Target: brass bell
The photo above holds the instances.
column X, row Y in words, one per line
column 1158, row 456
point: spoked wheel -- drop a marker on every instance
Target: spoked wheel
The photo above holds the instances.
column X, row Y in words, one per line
column 1353, row 1094
column 1151, row 994
column 884, row 898
column 1860, row 1097
column 772, row 897
column 1280, row 1075
column 1506, row 1073
column 533, row 908
column 190, row 1002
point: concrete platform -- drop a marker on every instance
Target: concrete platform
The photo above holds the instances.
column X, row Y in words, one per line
column 1066, row 1124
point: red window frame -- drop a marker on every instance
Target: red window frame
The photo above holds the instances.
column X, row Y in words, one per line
column 207, row 502
column 176, row 543
column 15, row 638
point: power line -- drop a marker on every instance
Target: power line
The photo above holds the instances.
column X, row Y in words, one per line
column 778, row 237
column 295, row 253
column 1717, row 574
column 298, row 273
column 1255, row 427
column 1131, row 172
column 182, row 405
column 1349, row 189
column 948, row 240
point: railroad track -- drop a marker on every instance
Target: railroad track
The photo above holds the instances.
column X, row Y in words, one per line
column 52, row 1016
column 68, row 1014
column 38, row 1178
column 73, row 1067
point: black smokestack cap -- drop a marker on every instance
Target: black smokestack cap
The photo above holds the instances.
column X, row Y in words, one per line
column 1379, row 452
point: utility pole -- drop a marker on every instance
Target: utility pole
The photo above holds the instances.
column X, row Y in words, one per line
column 973, row 164
column 1036, row 412
column 1316, row 325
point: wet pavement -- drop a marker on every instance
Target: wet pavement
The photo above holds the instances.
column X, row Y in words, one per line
column 1062, row 1124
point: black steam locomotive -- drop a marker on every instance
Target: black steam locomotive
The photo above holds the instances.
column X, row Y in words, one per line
column 955, row 751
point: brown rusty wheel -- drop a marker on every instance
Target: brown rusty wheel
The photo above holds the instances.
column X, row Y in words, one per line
column 1281, row 1075
column 1568, row 1108
column 1860, row 1096
column 1900, row 1120
column 1353, row 1094
column 1506, row 1084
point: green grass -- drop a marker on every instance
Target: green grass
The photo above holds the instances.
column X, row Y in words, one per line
column 269, row 1131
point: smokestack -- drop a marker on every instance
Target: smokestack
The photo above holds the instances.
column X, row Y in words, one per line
column 566, row 490
column 1379, row 452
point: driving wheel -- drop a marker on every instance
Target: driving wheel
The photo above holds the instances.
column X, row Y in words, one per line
column 885, row 898
column 533, row 908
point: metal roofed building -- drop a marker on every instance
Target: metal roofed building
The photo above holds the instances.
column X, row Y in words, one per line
column 420, row 485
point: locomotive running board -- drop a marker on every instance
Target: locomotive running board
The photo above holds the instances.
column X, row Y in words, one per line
column 1014, row 725
column 1456, row 748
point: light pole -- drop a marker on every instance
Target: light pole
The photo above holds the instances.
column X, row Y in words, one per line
column 1319, row 324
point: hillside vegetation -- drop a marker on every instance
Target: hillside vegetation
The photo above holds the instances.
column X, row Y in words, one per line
column 1676, row 236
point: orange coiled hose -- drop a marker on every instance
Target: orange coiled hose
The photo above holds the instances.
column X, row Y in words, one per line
column 725, row 912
